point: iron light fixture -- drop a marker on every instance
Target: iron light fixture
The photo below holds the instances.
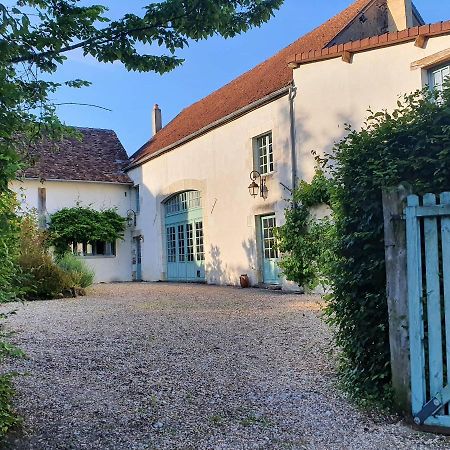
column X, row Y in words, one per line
column 255, row 188
column 131, row 218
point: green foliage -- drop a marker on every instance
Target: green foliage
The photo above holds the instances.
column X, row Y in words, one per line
column 9, row 234
column 81, row 275
column 306, row 242
column 80, row 224
column 8, row 417
column 59, row 27
column 411, row 144
column 316, row 193
column 41, row 277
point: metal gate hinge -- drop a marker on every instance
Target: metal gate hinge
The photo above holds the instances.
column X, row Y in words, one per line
column 430, row 409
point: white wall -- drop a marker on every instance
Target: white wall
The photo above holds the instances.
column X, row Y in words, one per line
column 61, row 194
column 218, row 164
column 333, row 93
column 330, row 94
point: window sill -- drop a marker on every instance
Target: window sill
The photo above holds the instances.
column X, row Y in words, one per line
column 97, row 256
column 269, row 174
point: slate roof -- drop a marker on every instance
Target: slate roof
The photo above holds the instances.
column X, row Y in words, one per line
column 99, row 157
column 265, row 79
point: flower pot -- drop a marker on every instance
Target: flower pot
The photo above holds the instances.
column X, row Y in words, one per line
column 245, row 282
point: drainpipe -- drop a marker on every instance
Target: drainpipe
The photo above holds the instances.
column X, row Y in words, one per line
column 292, row 95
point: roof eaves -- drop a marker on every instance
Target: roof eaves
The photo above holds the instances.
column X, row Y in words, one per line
column 372, row 43
column 223, row 121
column 67, row 180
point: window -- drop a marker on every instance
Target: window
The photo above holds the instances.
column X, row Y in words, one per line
column 268, row 225
column 137, row 200
column 190, row 242
column 264, row 154
column 181, row 244
column 199, row 241
column 96, row 248
column 171, row 245
column 438, row 76
column 182, row 202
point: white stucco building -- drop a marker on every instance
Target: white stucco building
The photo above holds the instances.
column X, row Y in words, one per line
column 86, row 172
column 189, row 185
column 199, row 221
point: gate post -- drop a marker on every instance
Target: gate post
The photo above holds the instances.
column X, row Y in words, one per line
column 394, row 202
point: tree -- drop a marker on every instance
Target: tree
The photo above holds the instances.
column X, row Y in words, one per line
column 36, row 35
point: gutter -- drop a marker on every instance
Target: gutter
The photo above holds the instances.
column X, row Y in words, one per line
column 292, row 95
column 127, row 183
column 224, row 120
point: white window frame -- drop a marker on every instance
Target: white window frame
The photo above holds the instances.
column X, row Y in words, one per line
column 88, row 250
column 434, row 70
column 263, row 153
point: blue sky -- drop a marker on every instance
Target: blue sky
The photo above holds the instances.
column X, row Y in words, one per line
column 209, row 65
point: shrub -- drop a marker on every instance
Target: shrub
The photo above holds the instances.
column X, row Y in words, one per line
column 81, row 224
column 81, row 275
column 411, row 144
column 41, row 277
column 306, row 242
column 9, row 239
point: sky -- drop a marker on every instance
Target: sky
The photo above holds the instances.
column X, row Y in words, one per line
column 210, row 64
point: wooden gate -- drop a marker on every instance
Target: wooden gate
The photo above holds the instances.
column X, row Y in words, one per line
column 428, row 287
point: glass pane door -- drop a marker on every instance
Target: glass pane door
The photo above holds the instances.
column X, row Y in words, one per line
column 271, row 272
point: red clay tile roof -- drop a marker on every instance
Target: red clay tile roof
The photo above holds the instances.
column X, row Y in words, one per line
column 99, row 156
column 382, row 40
column 265, row 79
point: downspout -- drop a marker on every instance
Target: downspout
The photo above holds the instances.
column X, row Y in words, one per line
column 292, row 95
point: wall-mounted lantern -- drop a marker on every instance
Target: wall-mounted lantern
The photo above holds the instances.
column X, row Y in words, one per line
column 131, row 218
column 258, row 185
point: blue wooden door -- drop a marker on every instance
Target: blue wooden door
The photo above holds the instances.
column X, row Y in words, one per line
column 184, row 238
column 271, row 272
column 137, row 259
column 428, row 257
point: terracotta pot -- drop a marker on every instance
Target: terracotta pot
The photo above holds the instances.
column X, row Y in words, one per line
column 245, row 282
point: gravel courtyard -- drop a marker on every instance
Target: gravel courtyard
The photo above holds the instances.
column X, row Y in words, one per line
column 159, row 366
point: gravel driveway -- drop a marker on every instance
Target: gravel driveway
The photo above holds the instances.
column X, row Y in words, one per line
column 159, row 366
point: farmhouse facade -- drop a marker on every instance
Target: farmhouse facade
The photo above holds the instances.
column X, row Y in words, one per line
column 213, row 184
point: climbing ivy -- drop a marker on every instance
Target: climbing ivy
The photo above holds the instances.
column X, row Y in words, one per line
column 84, row 224
column 410, row 144
column 305, row 241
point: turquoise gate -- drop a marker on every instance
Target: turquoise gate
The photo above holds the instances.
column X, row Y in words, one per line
column 428, row 273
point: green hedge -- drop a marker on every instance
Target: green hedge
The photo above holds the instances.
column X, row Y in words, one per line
column 411, row 144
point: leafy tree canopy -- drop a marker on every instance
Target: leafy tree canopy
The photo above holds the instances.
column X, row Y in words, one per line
column 82, row 224
column 36, row 36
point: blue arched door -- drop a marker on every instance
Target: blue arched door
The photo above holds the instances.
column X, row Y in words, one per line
column 184, row 242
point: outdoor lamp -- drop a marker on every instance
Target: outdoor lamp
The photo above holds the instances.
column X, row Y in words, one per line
column 131, row 218
column 255, row 188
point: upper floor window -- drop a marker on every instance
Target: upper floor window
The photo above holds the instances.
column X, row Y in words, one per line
column 137, row 200
column 264, row 154
column 438, row 76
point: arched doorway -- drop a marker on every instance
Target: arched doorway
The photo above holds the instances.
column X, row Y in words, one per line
column 184, row 242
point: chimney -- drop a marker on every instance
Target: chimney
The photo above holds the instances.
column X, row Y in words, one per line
column 156, row 119
column 400, row 14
